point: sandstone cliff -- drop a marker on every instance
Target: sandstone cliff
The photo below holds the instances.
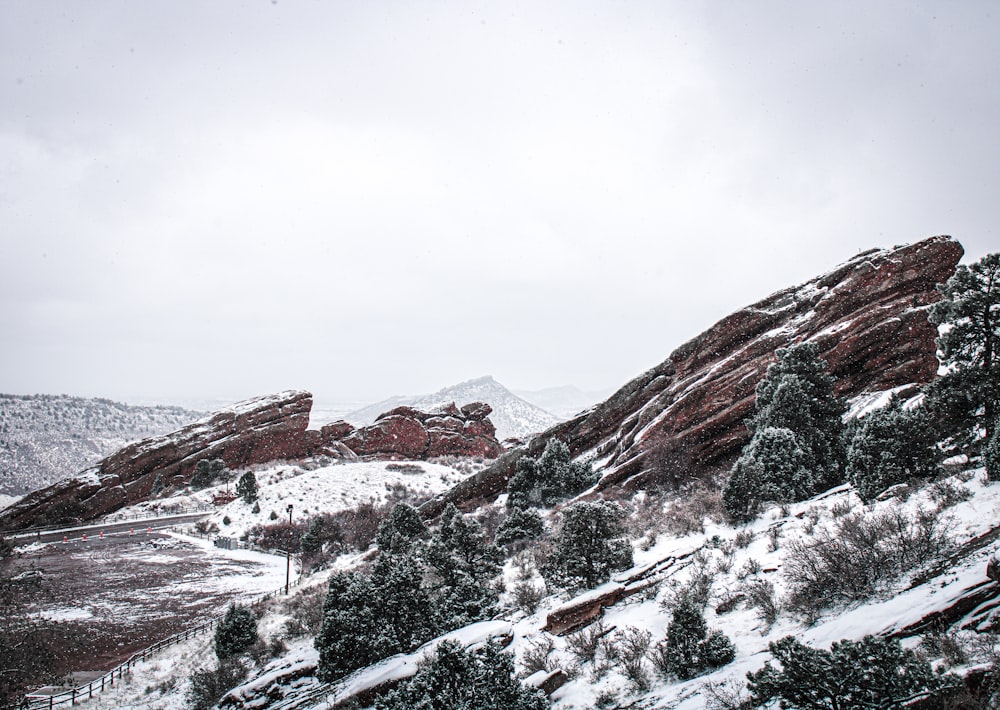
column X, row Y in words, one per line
column 868, row 317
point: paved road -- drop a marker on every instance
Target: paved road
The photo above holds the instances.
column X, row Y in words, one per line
column 128, row 527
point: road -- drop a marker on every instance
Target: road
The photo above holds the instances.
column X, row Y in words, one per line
column 92, row 532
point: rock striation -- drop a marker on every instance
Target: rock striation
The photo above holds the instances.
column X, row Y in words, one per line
column 868, row 318
column 257, row 431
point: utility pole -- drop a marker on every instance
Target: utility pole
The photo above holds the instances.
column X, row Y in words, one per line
column 288, row 554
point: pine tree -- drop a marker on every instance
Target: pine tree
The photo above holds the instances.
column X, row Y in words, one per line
column 520, row 524
column 464, row 680
column 689, row 649
column 591, row 545
column 403, row 616
column 891, row 445
column 236, row 633
column 875, row 672
column 345, row 641
column 550, row 478
column 966, row 397
column 246, row 487
column 403, row 527
column 992, row 456
column 797, row 449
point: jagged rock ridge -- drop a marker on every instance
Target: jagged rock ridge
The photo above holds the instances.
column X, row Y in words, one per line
column 868, row 318
column 256, row 431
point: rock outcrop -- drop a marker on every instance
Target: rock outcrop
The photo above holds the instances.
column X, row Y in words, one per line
column 408, row 433
column 256, row 431
column 251, row 432
column 868, row 317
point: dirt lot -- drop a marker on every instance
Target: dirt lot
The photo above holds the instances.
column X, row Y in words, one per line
column 115, row 596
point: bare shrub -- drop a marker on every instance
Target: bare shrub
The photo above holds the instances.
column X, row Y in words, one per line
column 743, row 538
column 536, row 656
column 585, row 643
column 862, row 555
column 729, row 602
column 686, row 514
column 750, row 568
column 404, row 467
column 632, row 645
column 306, row 610
column 773, row 535
column 841, row 508
column 726, row 695
column 760, row 595
column 527, row 597
column 946, row 644
column 947, row 493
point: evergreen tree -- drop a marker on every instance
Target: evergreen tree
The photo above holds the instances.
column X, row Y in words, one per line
column 966, row 397
column 797, row 448
column 345, row 641
column 464, row 680
column 591, row 545
column 236, row 633
column 246, row 487
column 207, row 472
column 550, row 478
column 890, row 445
column 875, row 672
column 404, row 615
column 689, row 649
column 403, row 527
column 992, row 456
column 323, row 532
column 520, row 524
column 464, row 564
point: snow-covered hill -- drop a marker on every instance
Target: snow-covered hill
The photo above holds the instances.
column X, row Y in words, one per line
column 512, row 416
column 564, row 402
column 44, row 438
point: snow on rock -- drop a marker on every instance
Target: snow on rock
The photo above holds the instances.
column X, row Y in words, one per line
column 691, row 405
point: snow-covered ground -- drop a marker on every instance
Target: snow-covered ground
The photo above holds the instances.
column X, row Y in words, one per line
column 321, row 490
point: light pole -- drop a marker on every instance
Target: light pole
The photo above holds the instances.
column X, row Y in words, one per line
column 288, row 552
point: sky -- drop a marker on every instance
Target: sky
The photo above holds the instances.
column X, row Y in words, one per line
column 217, row 200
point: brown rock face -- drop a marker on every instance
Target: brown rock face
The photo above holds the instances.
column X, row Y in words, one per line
column 255, row 431
column 868, row 317
column 408, row 433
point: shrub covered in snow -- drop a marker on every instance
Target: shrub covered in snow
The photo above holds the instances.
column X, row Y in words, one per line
column 797, row 448
column 236, row 633
column 457, row 679
column 689, row 648
column 550, row 478
column 590, row 546
column 874, row 672
column 891, row 445
column 861, row 555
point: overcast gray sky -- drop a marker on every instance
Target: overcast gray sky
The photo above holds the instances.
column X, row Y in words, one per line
column 224, row 199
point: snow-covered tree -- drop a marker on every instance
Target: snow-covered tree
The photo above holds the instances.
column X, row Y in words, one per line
column 345, row 641
column 246, row 487
column 797, row 448
column 689, row 648
column 402, row 528
column 236, row 633
column 992, row 456
column 591, row 545
column 550, row 478
column 875, row 672
column 520, row 524
column 891, row 445
column 457, row 679
column 966, row 398
column 207, row 472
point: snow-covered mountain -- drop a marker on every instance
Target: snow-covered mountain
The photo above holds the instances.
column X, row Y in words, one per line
column 565, row 402
column 44, row 438
column 512, row 415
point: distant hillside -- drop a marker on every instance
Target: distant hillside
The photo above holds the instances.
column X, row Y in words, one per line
column 44, row 438
column 564, row 402
column 512, row 416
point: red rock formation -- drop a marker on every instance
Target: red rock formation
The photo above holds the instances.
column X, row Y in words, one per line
column 257, row 431
column 867, row 316
column 408, row 433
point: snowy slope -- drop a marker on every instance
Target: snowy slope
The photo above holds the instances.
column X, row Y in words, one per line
column 512, row 416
